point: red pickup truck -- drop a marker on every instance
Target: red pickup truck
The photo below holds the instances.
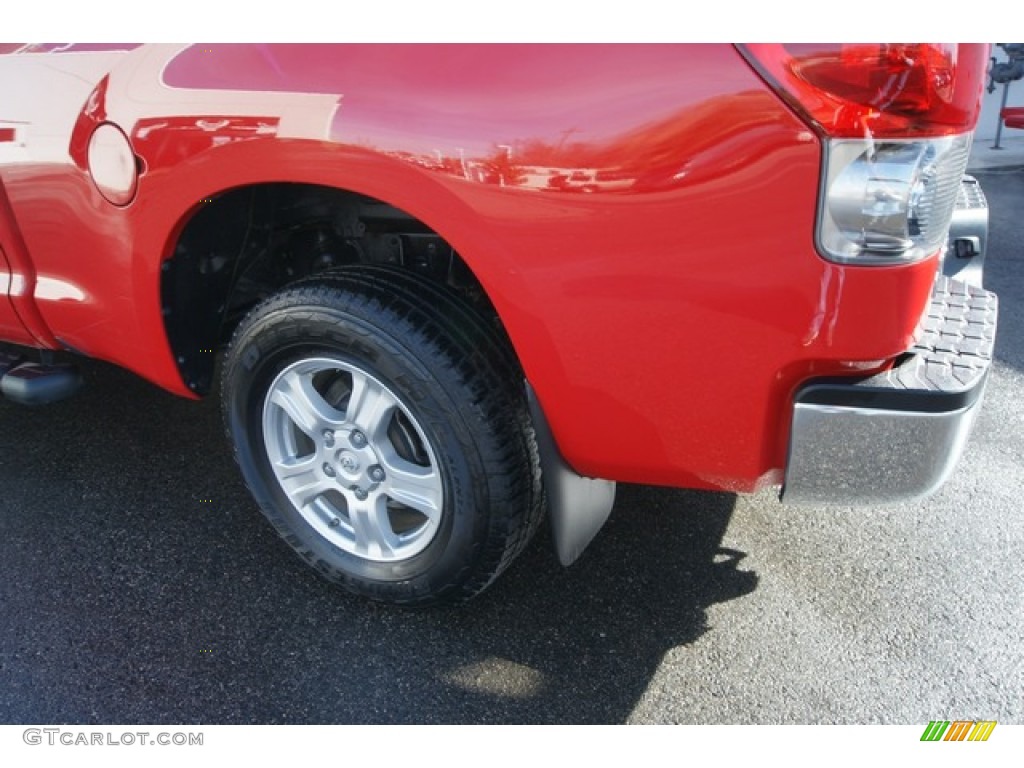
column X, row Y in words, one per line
column 442, row 289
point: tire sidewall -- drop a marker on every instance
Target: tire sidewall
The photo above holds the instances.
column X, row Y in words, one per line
column 276, row 340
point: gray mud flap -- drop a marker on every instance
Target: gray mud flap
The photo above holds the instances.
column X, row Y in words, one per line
column 578, row 506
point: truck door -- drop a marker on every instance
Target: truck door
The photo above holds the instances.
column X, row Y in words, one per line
column 42, row 90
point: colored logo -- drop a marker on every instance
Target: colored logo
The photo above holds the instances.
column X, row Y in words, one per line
column 958, row 730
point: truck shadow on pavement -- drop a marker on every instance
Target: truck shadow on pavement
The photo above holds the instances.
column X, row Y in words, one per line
column 581, row 645
column 140, row 584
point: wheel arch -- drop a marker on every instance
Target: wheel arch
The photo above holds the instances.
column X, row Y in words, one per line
column 198, row 273
column 579, row 506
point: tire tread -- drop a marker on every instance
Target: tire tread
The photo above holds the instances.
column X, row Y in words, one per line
column 460, row 348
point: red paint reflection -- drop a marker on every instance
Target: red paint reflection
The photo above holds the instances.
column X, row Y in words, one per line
column 164, row 141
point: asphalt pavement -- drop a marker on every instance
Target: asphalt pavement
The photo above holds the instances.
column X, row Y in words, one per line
column 139, row 584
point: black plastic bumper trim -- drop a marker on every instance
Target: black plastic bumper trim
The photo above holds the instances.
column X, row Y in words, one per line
column 841, row 394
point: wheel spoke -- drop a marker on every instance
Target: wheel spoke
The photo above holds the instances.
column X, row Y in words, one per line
column 291, row 468
column 366, row 479
column 412, row 485
column 298, row 398
column 302, row 480
column 371, row 525
column 369, row 406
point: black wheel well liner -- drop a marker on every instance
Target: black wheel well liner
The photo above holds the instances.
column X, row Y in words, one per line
column 244, row 244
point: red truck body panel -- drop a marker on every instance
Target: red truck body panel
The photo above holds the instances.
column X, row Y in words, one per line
column 641, row 217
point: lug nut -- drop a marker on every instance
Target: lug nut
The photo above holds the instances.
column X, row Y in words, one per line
column 357, row 438
column 335, row 522
column 328, row 438
column 360, row 494
column 328, row 470
column 376, row 473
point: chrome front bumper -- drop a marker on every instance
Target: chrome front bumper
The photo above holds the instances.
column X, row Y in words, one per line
column 896, row 435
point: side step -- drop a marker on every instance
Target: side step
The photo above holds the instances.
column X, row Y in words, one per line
column 29, row 383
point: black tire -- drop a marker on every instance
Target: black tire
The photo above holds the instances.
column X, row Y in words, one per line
column 459, row 492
